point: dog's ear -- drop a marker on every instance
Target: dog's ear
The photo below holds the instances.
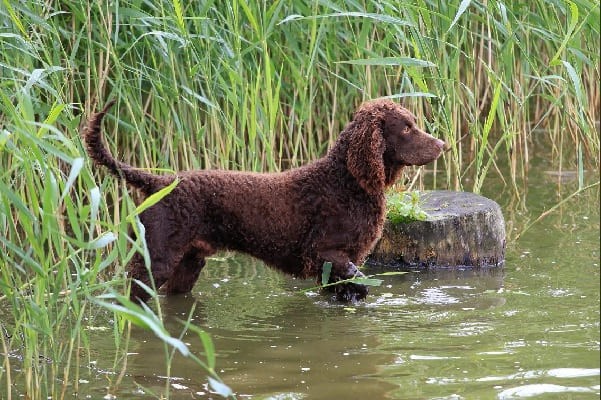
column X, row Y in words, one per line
column 365, row 157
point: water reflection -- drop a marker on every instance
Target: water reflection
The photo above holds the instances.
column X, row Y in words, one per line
column 452, row 288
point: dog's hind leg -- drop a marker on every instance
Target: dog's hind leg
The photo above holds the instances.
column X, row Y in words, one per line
column 185, row 273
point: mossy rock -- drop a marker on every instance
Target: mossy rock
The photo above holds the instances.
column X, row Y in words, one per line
column 462, row 229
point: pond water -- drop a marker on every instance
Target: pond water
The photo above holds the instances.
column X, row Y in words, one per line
column 529, row 329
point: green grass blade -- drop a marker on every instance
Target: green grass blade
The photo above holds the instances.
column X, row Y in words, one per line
column 460, row 11
column 391, row 61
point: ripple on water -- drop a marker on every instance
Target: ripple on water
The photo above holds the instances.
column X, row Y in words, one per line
column 471, row 329
column 543, row 388
column 555, row 373
column 436, row 296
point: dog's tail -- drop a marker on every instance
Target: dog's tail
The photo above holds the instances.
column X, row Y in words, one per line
column 145, row 181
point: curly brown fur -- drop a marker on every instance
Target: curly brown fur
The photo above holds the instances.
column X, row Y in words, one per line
column 330, row 210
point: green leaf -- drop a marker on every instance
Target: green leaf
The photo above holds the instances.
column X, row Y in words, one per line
column 209, row 347
column 16, row 201
column 15, row 18
column 145, row 318
column 411, row 94
column 73, row 174
column 404, row 207
column 350, row 14
column 490, row 118
column 50, row 119
column 325, row 273
column 389, row 273
column 575, row 78
column 220, row 388
column 156, row 197
column 462, row 7
column 390, row 61
column 573, row 21
column 103, row 240
column 367, row 281
column 179, row 15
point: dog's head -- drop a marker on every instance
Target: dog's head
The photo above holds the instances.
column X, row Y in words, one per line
column 384, row 138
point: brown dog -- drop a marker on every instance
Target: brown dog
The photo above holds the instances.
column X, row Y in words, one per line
column 331, row 210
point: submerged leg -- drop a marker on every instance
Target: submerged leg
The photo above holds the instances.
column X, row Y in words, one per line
column 184, row 275
column 342, row 269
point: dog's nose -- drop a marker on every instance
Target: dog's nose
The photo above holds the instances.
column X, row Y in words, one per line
column 440, row 143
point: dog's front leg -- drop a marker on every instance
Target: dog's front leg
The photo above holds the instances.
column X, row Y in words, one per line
column 342, row 269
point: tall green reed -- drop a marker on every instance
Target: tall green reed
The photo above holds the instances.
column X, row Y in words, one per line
column 62, row 245
column 267, row 85
column 58, row 258
column 46, row 274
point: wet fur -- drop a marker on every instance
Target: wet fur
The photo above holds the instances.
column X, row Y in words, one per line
column 330, row 210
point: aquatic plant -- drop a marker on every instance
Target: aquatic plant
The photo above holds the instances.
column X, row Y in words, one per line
column 405, row 207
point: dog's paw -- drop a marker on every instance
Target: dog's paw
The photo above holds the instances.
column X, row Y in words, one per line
column 347, row 291
column 350, row 292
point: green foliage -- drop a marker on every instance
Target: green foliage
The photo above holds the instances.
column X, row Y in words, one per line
column 403, row 207
column 325, row 273
column 361, row 280
column 255, row 85
column 144, row 317
column 60, row 253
